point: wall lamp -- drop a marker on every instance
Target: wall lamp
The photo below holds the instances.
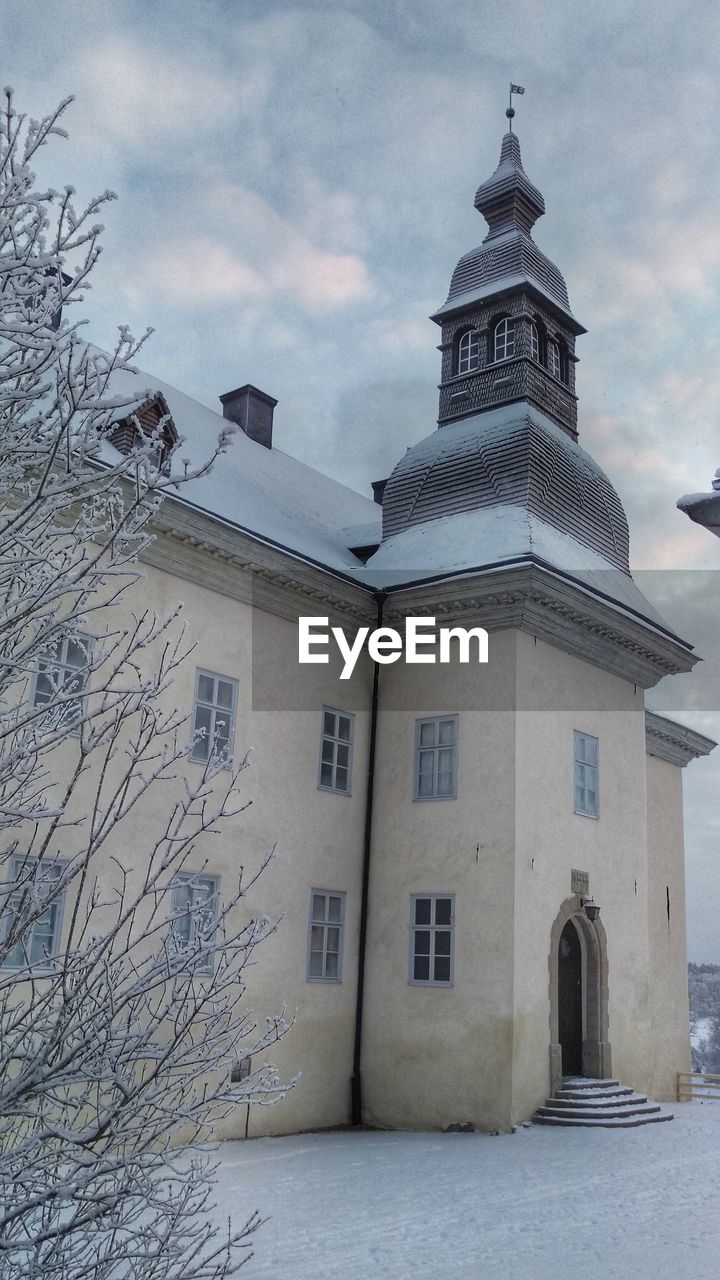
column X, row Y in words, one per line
column 591, row 908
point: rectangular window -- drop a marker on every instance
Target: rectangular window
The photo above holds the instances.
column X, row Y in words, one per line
column 336, row 750
column 432, row 927
column 62, row 671
column 436, row 758
column 585, row 773
column 35, row 883
column 325, row 938
column 213, row 717
column 194, row 915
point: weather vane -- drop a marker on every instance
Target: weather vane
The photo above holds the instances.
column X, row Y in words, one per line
column 510, row 111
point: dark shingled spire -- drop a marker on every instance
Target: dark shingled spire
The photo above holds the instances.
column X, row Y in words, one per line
column 508, row 200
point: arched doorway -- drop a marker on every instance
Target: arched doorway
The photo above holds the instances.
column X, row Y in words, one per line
column 578, row 996
column 570, row 1001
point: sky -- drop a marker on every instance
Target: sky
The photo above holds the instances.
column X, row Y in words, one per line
column 295, row 185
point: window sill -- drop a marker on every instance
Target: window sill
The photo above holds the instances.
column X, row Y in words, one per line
column 333, row 791
column 581, row 813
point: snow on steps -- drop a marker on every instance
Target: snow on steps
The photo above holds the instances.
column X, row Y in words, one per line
column 598, row 1104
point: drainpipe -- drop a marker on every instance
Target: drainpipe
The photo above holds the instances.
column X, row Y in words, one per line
column 356, row 1082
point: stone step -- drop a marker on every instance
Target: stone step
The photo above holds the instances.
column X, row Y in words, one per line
column 599, row 1104
column 612, row 1113
column 596, row 1101
column 603, row 1122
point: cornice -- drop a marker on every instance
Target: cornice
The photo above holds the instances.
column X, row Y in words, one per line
column 192, row 545
column 559, row 612
column 674, row 742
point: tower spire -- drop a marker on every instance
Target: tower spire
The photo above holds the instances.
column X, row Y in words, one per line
column 509, row 200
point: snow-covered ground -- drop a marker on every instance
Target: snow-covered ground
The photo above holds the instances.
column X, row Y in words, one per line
column 539, row 1204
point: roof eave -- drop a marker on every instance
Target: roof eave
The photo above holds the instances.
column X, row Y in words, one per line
column 504, row 289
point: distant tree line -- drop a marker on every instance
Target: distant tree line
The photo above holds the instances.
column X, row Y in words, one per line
column 704, row 993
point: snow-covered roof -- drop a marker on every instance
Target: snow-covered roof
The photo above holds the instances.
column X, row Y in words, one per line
column 281, row 501
column 264, row 491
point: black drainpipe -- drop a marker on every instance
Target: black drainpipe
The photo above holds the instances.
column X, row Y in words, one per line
column 356, row 1082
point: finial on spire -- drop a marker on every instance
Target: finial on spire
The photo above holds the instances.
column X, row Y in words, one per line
column 510, row 111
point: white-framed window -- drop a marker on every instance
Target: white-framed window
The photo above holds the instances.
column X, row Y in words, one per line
column 325, row 936
column 534, row 341
column 554, row 361
column 436, row 758
column 336, row 739
column 194, row 915
column 585, row 774
column 504, row 339
column 61, row 672
column 432, row 922
column 35, row 882
column 468, row 357
column 213, row 717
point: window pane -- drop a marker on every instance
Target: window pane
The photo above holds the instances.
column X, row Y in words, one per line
column 425, row 784
column 446, row 733
column 225, row 694
column 75, row 655
column 422, row 911
column 579, row 797
column 444, row 784
column 422, row 942
column 328, row 750
column 591, row 804
column 341, row 779
column 591, row 750
column 442, row 969
column 427, row 733
column 206, row 688
column 421, row 969
column 203, row 721
column 335, row 909
column 443, row 907
column 333, row 940
column 44, row 687
column 318, row 907
column 442, row 942
column 317, row 938
column 331, row 965
column 343, row 755
column 315, row 968
column 329, row 723
column 326, row 775
column 344, row 728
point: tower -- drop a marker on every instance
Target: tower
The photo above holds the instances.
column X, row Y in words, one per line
column 508, row 333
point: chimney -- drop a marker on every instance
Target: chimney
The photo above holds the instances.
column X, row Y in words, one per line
column 252, row 410
column 378, row 488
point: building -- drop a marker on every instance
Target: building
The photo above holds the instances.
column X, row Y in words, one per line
column 441, row 827
column 704, row 508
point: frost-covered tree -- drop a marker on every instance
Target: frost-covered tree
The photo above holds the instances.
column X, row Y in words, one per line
column 121, row 1039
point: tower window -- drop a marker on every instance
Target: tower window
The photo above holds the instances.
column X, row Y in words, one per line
column 534, row 341
column 504, row 340
column 554, row 364
column 469, row 352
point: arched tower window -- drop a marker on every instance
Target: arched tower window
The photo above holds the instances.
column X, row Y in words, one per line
column 504, row 339
column 468, row 352
column 534, row 341
column 554, row 362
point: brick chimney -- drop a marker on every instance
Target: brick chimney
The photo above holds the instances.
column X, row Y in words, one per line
column 252, row 410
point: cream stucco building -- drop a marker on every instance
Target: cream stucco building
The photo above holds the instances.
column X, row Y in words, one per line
column 440, row 827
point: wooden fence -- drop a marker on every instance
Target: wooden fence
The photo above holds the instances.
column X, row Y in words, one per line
column 697, row 1084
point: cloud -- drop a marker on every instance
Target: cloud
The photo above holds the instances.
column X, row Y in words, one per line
column 138, row 91
column 286, row 260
